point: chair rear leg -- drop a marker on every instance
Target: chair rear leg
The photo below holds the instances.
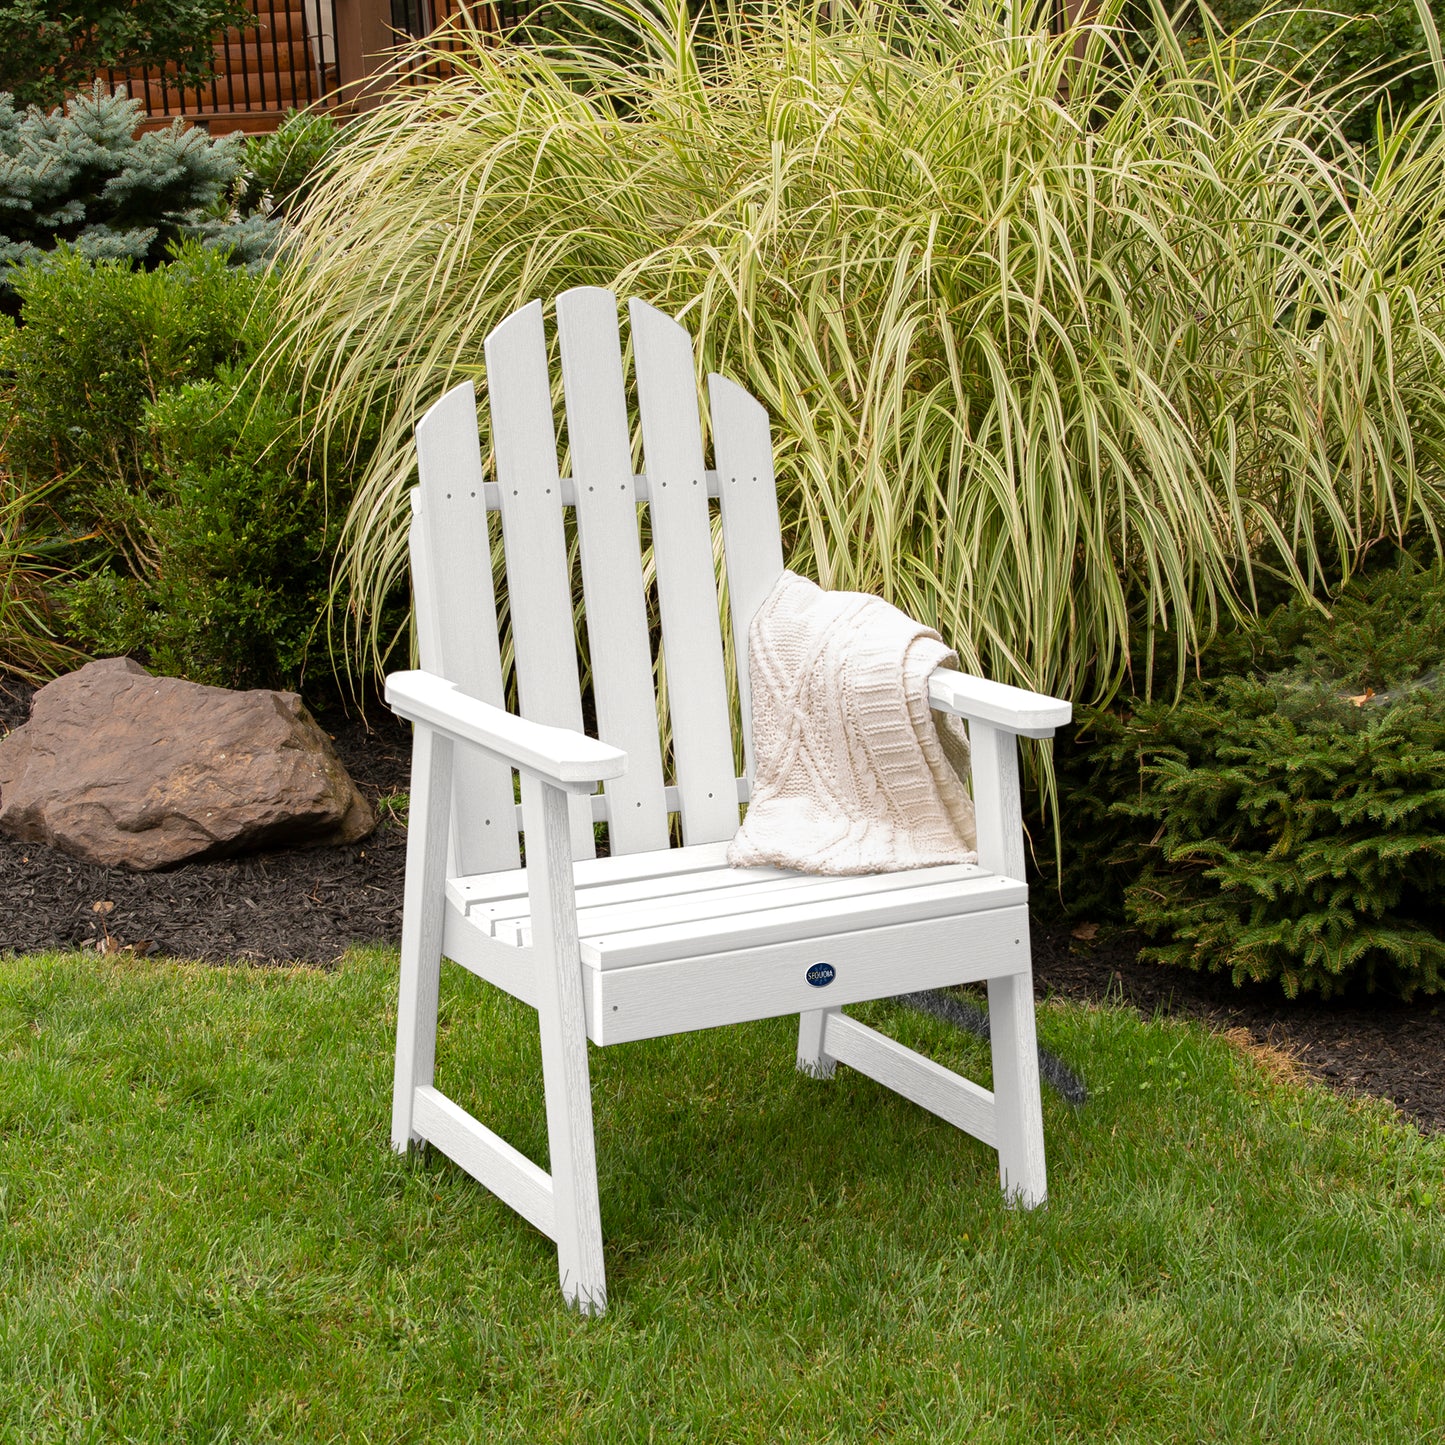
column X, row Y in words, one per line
column 1018, row 1106
column 813, row 1059
column 423, row 919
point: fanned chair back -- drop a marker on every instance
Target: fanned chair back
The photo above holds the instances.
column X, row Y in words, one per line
column 452, row 575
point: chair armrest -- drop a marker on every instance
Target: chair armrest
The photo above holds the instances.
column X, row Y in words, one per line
column 559, row 755
column 996, row 703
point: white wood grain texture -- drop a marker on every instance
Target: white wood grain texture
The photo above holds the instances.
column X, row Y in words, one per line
column 510, row 968
column 606, row 503
column 568, row 758
column 748, row 901
column 603, row 892
column 798, row 923
column 425, row 609
column 686, row 580
column 590, row 872
column 1033, row 714
column 1021, row 1166
column 424, row 908
column 602, row 809
column 1019, row 1109
column 562, row 1018
column 641, row 490
column 752, row 537
column 429, row 651
column 813, row 1058
column 488, row 1158
column 955, row 1099
column 758, row 983
column 996, row 798
column 641, row 890
column 456, row 614
column 539, row 589
column 481, row 789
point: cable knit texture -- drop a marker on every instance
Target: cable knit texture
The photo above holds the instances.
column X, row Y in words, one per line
column 853, row 773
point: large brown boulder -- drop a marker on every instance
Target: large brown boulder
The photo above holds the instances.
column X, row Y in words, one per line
column 128, row 770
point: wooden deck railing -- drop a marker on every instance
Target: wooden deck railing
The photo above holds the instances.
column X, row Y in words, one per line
column 321, row 53
column 287, row 59
column 298, row 54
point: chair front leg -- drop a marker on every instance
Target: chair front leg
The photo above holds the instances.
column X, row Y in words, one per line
column 1018, row 1107
column 423, row 920
column 562, row 1019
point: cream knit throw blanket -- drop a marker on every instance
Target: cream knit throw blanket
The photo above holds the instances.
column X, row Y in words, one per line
column 853, row 775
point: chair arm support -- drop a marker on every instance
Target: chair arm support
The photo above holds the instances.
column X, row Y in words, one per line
column 567, row 759
column 1012, row 709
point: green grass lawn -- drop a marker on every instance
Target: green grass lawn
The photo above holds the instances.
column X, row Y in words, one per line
column 203, row 1236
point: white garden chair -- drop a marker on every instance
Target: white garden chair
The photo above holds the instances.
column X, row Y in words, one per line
column 651, row 939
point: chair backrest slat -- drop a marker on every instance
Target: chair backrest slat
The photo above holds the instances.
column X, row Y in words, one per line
column 538, row 578
column 686, row 583
column 606, row 509
column 456, row 614
column 752, row 538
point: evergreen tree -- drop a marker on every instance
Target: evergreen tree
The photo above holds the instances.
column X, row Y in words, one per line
column 82, row 177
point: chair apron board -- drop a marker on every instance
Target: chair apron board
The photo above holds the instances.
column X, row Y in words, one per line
column 652, row 939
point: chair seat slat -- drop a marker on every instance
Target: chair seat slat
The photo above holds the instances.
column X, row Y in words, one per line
column 597, row 895
column 687, row 937
column 752, row 898
column 513, row 882
column 669, row 887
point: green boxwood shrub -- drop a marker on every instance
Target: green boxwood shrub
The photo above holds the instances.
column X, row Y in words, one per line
column 97, row 343
column 200, row 539
column 232, row 538
column 281, row 169
column 1285, row 821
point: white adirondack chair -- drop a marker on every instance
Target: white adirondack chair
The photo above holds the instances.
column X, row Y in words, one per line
column 651, row 939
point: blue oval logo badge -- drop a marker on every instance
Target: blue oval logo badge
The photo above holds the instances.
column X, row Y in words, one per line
column 822, row 974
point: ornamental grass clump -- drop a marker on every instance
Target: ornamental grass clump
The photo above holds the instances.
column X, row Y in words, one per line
column 28, row 644
column 1058, row 352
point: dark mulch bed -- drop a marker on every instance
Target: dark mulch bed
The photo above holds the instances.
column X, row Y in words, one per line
column 309, row 905
column 297, row 905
